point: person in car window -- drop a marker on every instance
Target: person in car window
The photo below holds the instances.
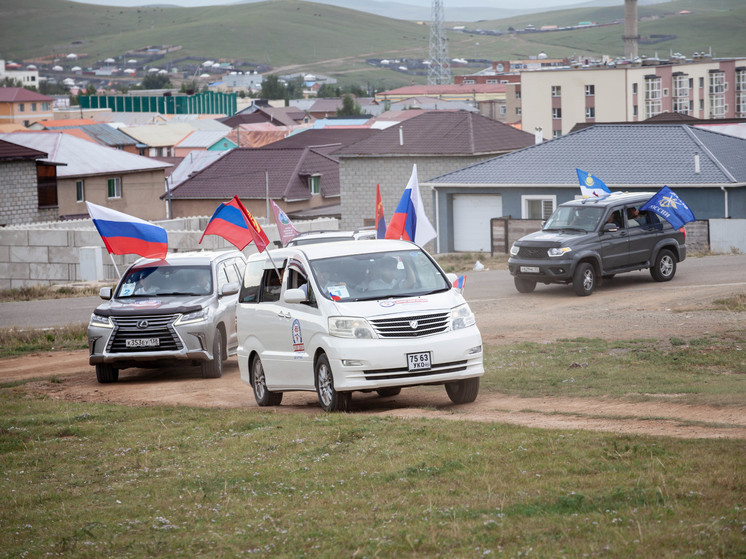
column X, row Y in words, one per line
column 386, row 277
column 146, row 284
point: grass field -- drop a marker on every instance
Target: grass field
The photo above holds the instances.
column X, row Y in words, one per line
column 88, row 480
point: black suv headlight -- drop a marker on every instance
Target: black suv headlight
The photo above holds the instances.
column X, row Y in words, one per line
column 561, row 251
column 514, row 250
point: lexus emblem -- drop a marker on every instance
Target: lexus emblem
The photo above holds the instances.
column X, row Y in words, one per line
column 413, row 324
column 142, row 324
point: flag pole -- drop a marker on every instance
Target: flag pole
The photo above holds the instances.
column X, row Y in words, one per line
column 115, row 265
column 266, row 191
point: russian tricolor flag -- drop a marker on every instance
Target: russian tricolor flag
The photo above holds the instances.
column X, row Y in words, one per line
column 126, row 234
column 409, row 221
column 235, row 224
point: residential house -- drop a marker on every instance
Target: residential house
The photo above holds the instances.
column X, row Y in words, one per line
column 88, row 129
column 25, row 185
column 158, row 140
column 436, row 141
column 28, row 77
column 203, row 140
column 296, row 178
column 89, row 172
column 261, row 112
column 19, row 105
column 706, row 169
column 327, row 107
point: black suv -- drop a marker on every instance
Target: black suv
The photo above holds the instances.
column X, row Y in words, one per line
column 590, row 239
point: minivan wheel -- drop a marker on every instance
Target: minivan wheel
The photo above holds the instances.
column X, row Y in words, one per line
column 329, row 398
column 524, row 285
column 584, row 279
column 463, row 391
column 214, row 367
column 665, row 266
column 262, row 396
column 106, row 373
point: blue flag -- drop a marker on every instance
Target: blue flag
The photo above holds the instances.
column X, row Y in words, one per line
column 670, row 207
column 591, row 185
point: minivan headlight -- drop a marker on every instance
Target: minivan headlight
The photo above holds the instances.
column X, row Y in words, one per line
column 462, row 317
column 100, row 321
column 514, row 250
column 554, row 252
column 350, row 327
column 194, row 316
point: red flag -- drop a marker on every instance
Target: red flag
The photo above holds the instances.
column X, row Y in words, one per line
column 380, row 220
column 285, row 227
column 235, row 224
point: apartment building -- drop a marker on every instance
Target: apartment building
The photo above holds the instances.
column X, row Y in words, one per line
column 556, row 99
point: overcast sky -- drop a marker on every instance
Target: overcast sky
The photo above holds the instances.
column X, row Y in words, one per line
column 448, row 3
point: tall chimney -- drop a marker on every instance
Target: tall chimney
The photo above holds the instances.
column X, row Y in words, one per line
column 631, row 37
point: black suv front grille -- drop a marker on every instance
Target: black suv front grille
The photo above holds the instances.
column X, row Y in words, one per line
column 415, row 326
column 131, row 327
column 532, row 252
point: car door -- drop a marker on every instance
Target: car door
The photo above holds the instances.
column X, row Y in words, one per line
column 299, row 324
column 271, row 328
column 614, row 244
column 643, row 235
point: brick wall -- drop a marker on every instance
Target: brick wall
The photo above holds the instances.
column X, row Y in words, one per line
column 19, row 195
column 49, row 253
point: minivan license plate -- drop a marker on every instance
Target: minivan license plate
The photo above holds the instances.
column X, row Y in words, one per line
column 530, row 269
column 142, row 342
column 418, row 361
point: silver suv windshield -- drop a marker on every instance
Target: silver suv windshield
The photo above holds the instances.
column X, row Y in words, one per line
column 574, row 218
column 360, row 277
column 163, row 280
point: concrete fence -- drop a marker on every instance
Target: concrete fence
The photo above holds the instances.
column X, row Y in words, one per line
column 71, row 251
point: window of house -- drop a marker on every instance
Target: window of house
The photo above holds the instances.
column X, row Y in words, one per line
column 46, row 106
column 590, row 90
column 556, row 91
column 681, row 86
column 634, row 110
column 114, row 187
column 79, row 191
column 634, row 89
column 46, row 180
column 517, row 110
column 653, row 103
column 701, row 104
column 33, row 107
column 556, row 133
column 21, row 107
column 314, row 184
column 701, row 82
column 535, row 206
column 557, row 112
column 517, row 94
column 590, row 112
column 492, row 82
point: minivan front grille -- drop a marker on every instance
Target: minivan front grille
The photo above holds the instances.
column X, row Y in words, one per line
column 411, row 326
column 142, row 327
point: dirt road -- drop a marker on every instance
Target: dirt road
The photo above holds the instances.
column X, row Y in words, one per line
column 630, row 307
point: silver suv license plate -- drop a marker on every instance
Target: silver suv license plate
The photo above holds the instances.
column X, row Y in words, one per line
column 142, row 342
column 418, row 361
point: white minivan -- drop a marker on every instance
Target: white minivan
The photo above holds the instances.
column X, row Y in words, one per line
column 354, row 316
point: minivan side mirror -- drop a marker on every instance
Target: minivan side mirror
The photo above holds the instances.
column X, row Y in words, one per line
column 294, row 296
column 105, row 293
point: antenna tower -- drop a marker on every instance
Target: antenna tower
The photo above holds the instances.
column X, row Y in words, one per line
column 439, row 71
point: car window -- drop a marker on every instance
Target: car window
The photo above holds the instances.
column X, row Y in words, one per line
column 165, row 280
column 583, row 218
column 252, row 280
column 377, row 275
column 271, row 285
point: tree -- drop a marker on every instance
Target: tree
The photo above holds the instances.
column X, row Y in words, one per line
column 350, row 107
column 155, row 81
column 328, row 90
column 272, row 88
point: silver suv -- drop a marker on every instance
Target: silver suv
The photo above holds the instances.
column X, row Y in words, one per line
column 180, row 308
column 590, row 239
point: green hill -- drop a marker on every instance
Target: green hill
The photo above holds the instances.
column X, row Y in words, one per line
column 290, row 35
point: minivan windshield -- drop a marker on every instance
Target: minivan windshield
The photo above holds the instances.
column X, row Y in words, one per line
column 574, row 218
column 163, row 280
column 379, row 275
